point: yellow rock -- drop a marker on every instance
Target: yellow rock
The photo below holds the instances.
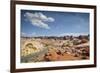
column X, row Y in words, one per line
column 31, row 47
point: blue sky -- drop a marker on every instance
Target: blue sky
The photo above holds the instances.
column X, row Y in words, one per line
column 51, row 23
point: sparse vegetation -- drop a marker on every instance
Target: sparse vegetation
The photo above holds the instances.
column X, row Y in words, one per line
column 41, row 49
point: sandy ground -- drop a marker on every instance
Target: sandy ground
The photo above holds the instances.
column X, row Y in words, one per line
column 54, row 53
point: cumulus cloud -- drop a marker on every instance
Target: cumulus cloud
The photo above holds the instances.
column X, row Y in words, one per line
column 39, row 19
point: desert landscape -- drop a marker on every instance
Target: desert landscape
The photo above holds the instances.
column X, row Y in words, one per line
column 54, row 48
column 48, row 36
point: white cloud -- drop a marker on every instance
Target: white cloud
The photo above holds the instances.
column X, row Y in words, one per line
column 73, row 34
column 28, row 35
column 38, row 19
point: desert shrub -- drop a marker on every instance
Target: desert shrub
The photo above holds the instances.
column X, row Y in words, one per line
column 75, row 55
column 84, row 57
column 67, row 43
column 76, row 42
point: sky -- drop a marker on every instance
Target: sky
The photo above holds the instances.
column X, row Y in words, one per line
column 52, row 23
